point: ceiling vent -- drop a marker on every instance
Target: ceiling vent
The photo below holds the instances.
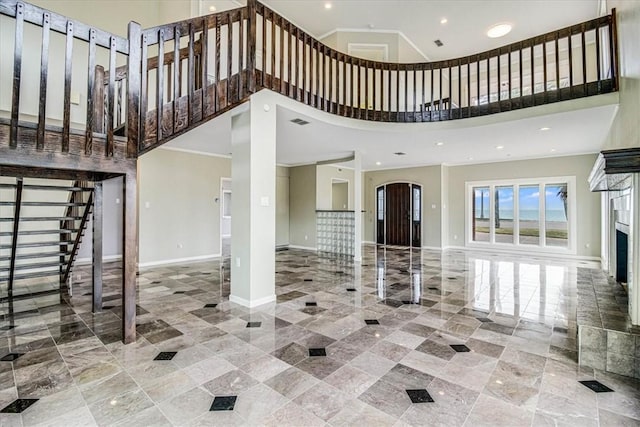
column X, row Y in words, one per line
column 300, row 122
column 400, row 153
column 438, row 43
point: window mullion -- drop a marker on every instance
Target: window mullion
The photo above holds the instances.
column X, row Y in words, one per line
column 542, row 217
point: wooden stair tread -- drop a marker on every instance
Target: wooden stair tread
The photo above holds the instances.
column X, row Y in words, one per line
column 35, row 265
column 39, row 244
column 55, row 188
column 44, row 218
column 36, row 232
column 36, row 255
column 47, row 273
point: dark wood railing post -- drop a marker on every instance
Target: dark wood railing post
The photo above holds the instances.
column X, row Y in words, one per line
column 251, row 44
column 14, row 236
column 134, row 140
column 613, row 40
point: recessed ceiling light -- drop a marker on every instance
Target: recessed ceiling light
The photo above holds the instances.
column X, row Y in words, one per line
column 440, row 143
column 444, row 21
column 499, row 30
column 553, row 150
column 327, row 5
column 212, row 8
column 545, row 128
column 378, row 163
column 499, row 147
column 470, row 158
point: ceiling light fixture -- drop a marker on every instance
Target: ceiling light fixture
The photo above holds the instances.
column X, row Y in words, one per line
column 553, row 150
column 212, row 8
column 444, row 21
column 440, row 143
column 499, row 30
column 545, row 129
column 328, row 5
column 378, row 163
column 470, row 158
column 499, row 147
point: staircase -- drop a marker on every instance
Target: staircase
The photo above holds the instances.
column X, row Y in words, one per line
column 41, row 228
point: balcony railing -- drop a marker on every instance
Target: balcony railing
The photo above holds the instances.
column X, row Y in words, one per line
column 141, row 91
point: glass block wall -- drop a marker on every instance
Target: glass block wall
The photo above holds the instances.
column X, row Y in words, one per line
column 336, row 232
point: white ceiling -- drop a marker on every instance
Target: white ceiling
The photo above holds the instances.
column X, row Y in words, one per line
column 419, row 20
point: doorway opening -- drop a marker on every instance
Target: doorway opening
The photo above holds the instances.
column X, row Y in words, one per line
column 399, row 214
column 339, row 194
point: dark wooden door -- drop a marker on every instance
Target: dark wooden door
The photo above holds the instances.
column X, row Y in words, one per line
column 398, row 213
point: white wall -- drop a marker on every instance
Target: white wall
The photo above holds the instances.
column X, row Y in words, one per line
column 325, row 176
column 177, row 193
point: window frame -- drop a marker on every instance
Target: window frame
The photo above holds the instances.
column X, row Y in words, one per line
column 542, row 182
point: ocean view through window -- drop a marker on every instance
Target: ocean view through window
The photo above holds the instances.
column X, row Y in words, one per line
column 528, row 213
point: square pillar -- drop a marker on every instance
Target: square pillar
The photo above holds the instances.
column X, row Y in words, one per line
column 357, row 206
column 253, row 213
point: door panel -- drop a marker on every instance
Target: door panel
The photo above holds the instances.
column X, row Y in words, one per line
column 416, row 220
column 398, row 212
column 380, row 216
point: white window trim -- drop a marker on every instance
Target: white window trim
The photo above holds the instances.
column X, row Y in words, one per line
column 571, row 249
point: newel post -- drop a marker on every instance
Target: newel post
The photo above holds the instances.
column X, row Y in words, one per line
column 251, row 44
column 133, row 89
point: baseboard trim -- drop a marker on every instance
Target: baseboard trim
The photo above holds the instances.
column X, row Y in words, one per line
column 432, row 248
column 253, row 303
column 107, row 258
column 304, row 248
column 177, row 260
column 554, row 255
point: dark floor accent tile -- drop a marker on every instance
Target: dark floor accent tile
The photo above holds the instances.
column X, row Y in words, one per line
column 308, row 280
column 351, row 289
column 431, row 288
column 560, row 329
column 596, row 386
column 179, row 292
column 210, row 305
column 371, row 322
column 484, row 319
column 311, row 304
column 312, row 311
column 7, row 328
column 10, row 357
column 391, row 302
column 460, row 348
column 155, row 282
column 165, row 355
column 452, row 278
column 419, row 396
column 407, row 302
column 108, row 307
column 316, row 352
column 223, row 403
column 254, row 324
column 18, row 406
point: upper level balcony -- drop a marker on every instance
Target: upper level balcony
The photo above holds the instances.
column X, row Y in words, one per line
column 102, row 99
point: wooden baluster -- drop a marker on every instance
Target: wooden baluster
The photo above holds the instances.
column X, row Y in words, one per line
column 144, row 91
column 598, row 74
column 317, row 55
column 509, row 71
column 459, row 89
column 44, row 65
column 273, row 51
column 613, row 49
column 570, row 65
column 66, row 115
column 343, row 63
column 389, row 91
column 450, row 96
column 374, row 89
column 544, row 70
column 289, row 61
column 584, row 60
column 397, row 67
column 17, row 73
column 88, row 143
column 160, row 86
column 305, row 98
column 557, row 52
column 297, row 68
column 415, row 104
column 264, row 47
column 242, row 81
column 177, row 78
column 478, row 80
column 499, row 84
column 488, row 81
column 204, row 79
column 468, row 87
column 99, row 100
column 217, row 105
column 191, row 74
column 520, row 76
column 424, row 93
column 111, row 97
column 282, row 53
column 431, row 112
column 136, row 115
column 366, row 90
column 252, row 17
column 406, row 95
column 533, row 80
column 323, row 77
column 358, row 88
column 228, row 99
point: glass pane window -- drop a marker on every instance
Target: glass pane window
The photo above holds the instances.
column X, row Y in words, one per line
column 481, row 210
column 416, row 203
column 503, row 214
column 529, row 214
column 555, row 214
column 380, row 204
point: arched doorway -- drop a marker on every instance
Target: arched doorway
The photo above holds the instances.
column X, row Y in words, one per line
column 399, row 214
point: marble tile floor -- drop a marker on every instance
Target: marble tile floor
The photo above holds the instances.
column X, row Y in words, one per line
column 424, row 338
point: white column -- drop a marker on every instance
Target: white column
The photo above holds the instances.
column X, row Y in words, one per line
column 253, row 224
column 357, row 205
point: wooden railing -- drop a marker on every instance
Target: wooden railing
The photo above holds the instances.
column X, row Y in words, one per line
column 573, row 62
column 79, row 38
column 213, row 63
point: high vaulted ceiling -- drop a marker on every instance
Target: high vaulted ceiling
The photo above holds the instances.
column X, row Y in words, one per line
column 419, row 20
